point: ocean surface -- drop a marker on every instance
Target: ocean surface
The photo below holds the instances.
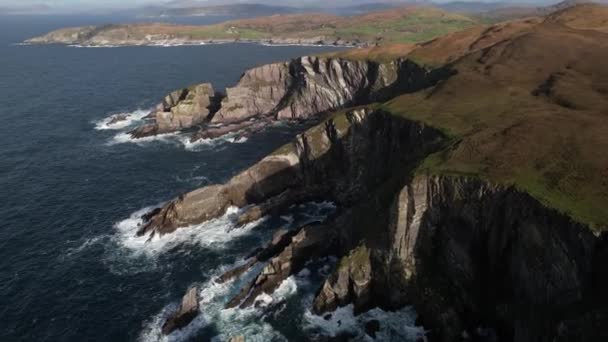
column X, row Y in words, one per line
column 72, row 189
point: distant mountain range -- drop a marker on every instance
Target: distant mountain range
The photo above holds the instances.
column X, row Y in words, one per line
column 495, row 10
column 260, row 9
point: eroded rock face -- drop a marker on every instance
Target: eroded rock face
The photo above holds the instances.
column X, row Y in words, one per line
column 188, row 310
column 478, row 259
column 311, row 86
column 317, row 165
column 350, row 283
column 310, row 242
column 250, row 187
column 474, row 258
column 180, row 110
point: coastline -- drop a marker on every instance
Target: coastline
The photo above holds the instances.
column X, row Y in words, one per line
column 176, row 43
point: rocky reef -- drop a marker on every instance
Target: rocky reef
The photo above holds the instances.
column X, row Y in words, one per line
column 479, row 261
column 303, row 88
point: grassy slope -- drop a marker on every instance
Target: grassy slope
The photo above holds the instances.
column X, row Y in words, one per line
column 551, row 143
column 407, row 24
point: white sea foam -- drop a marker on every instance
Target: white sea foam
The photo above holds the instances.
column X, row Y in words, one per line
column 124, row 137
column 213, row 233
column 394, row 325
column 131, row 118
column 226, row 322
column 203, row 144
column 85, row 245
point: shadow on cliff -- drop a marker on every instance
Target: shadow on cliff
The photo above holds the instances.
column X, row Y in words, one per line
column 501, row 266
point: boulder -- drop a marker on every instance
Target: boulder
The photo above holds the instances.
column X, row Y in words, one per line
column 188, row 310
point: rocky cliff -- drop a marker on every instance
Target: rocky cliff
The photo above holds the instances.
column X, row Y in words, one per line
column 478, row 260
column 181, row 109
column 303, row 88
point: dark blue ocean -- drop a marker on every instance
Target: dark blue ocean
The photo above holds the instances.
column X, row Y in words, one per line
column 71, row 192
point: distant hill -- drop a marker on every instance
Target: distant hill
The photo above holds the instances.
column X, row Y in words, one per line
column 236, row 10
column 403, row 24
column 251, row 10
column 522, row 11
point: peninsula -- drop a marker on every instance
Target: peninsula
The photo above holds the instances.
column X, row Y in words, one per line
column 404, row 24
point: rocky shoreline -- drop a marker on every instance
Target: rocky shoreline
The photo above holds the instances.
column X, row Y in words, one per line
column 303, row 88
column 171, row 42
column 476, row 259
column 479, row 259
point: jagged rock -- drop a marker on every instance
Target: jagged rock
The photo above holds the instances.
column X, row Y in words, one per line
column 250, row 187
column 280, row 239
column 350, row 283
column 315, row 165
column 118, row 118
column 179, row 110
column 310, row 86
column 188, row 310
column 310, row 242
column 145, row 130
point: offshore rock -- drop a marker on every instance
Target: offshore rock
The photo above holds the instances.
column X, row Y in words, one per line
column 181, row 109
column 188, row 310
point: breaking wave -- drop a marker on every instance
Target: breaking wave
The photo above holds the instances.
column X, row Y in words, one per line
column 214, row 233
column 125, row 120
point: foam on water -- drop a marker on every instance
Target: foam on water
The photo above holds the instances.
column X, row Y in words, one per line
column 125, row 137
column 226, row 322
column 394, row 325
column 205, row 144
column 214, row 233
column 131, row 118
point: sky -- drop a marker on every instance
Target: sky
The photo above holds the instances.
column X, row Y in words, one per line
column 59, row 6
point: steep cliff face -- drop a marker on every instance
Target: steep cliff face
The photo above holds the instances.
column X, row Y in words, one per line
column 321, row 163
column 303, row 88
column 181, row 109
column 478, row 260
column 308, row 86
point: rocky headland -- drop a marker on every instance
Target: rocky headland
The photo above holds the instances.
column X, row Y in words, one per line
column 468, row 177
column 304, row 88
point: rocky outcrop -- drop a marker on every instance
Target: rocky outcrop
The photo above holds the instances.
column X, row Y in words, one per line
column 321, row 163
column 181, row 109
column 300, row 89
column 310, row 86
column 350, row 283
column 310, row 242
column 187, row 311
column 477, row 259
